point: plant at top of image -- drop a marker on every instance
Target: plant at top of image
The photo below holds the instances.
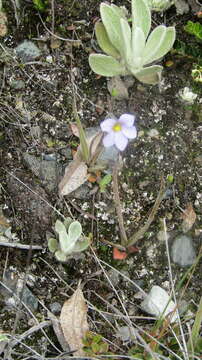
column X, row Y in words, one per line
column 194, row 28
column 130, row 51
column 69, row 241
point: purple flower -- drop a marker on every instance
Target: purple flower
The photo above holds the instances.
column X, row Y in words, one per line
column 119, row 131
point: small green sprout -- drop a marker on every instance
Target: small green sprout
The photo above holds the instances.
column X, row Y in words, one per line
column 104, row 182
column 194, row 28
column 170, row 178
column 40, row 5
column 70, row 239
column 94, row 344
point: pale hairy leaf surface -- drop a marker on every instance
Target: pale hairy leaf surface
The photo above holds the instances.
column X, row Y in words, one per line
column 121, row 11
column 75, row 230
column 166, row 45
column 138, row 44
column 73, row 320
column 153, row 44
column 66, row 244
column 106, row 65
column 82, row 244
column 149, row 75
column 141, row 15
column 111, row 20
column 126, row 40
column 104, row 42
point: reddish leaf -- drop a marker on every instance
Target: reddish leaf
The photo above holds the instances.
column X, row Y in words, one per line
column 119, row 255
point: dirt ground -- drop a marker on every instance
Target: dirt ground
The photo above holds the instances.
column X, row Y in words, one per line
column 35, row 120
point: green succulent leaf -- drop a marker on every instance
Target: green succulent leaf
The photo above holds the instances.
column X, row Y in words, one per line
column 141, row 15
column 52, row 245
column 159, row 43
column 60, row 256
column 75, row 231
column 126, row 40
column 106, row 65
column 138, row 44
column 111, row 20
column 104, row 42
column 149, row 75
column 81, row 245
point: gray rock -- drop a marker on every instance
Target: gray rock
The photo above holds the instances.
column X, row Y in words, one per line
column 27, row 51
column 12, row 292
column 158, row 303
column 48, row 171
column 182, row 251
column 55, row 308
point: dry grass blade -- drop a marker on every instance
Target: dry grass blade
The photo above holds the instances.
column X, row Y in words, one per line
column 73, row 319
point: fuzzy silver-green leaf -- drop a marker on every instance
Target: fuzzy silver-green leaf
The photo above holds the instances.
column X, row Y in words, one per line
column 138, row 44
column 141, row 15
column 60, row 256
column 52, row 245
column 159, row 43
column 75, row 231
column 126, row 40
column 149, row 75
column 104, row 42
column 111, row 21
column 81, row 245
column 106, row 65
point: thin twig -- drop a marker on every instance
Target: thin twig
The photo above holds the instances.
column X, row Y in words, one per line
column 140, row 233
column 20, row 246
column 59, row 37
column 29, row 332
column 117, row 202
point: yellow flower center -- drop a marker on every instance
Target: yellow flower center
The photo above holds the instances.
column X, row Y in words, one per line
column 117, row 127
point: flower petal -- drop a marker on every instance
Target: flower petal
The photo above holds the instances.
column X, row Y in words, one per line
column 120, row 140
column 107, row 124
column 127, row 119
column 129, row 132
column 108, row 139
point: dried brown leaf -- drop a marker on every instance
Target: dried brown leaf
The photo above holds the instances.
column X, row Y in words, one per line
column 76, row 172
column 189, row 218
column 73, row 320
column 75, row 176
column 58, row 331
